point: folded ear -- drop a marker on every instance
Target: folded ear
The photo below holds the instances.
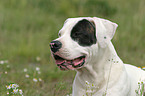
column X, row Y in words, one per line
column 110, row 27
column 105, row 30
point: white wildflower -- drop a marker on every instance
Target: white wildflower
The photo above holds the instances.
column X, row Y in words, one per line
column 93, row 86
column 6, row 72
column 38, row 58
column 14, row 86
column 27, row 76
column 15, row 90
column 40, row 79
column 8, row 93
column 25, row 69
column 143, row 68
column 87, row 83
column 35, row 79
column 2, row 62
column 20, row 91
column 8, row 87
column 37, row 68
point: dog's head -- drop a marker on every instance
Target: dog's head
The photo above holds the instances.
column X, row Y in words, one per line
column 79, row 41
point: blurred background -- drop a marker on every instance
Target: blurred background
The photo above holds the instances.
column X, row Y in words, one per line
column 28, row 26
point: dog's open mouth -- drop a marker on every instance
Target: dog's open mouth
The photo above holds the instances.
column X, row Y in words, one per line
column 64, row 64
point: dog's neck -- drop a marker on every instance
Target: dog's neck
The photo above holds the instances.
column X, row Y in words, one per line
column 99, row 69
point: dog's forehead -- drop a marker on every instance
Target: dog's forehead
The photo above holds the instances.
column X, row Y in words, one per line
column 69, row 24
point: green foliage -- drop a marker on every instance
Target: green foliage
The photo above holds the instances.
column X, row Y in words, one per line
column 99, row 8
column 27, row 27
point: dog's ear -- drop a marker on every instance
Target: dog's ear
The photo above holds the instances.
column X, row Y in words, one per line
column 110, row 27
column 105, row 30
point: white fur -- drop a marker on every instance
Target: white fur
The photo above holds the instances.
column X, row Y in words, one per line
column 103, row 68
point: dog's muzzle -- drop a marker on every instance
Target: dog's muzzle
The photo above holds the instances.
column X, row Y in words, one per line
column 63, row 63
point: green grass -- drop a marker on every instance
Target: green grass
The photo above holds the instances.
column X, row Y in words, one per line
column 28, row 26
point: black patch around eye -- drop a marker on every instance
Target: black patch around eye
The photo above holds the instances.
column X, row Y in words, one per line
column 84, row 33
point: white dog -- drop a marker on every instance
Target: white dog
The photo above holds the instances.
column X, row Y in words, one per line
column 84, row 45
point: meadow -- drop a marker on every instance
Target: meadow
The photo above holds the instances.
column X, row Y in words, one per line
column 28, row 26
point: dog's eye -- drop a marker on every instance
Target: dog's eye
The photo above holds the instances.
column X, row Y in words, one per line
column 76, row 34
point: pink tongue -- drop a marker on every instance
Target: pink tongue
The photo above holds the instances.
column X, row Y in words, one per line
column 77, row 61
column 59, row 61
column 69, row 61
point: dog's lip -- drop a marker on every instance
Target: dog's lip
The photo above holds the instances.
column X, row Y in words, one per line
column 57, row 57
column 64, row 64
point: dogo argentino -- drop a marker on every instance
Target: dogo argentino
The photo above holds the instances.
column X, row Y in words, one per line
column 84, row 45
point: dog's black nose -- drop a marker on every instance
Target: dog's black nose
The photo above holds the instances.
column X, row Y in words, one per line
column 55, row 46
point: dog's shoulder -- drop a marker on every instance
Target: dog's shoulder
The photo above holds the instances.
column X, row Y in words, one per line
column 134, row 72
